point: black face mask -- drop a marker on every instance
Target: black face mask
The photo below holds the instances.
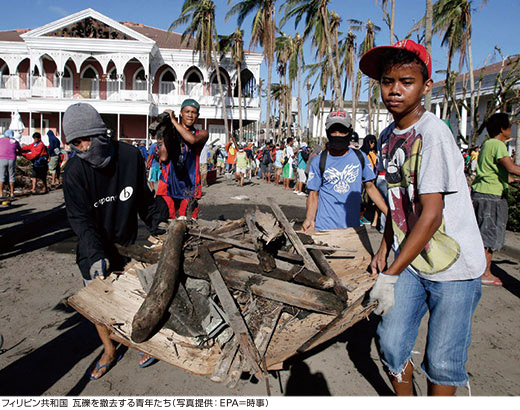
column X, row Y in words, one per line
column 99, row 153
column 338, row 143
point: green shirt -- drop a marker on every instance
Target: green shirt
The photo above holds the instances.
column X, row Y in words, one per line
column 492, row 177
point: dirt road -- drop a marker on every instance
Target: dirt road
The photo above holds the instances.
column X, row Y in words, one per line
column 50, row 347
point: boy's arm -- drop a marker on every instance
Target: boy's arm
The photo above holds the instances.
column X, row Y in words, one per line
column 202, row 135
column 310, row 214
column 376, row 196
column 429, row 221
column 509, row 165
column 378, row 263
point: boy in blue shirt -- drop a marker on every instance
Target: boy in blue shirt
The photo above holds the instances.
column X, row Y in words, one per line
column 334, row 200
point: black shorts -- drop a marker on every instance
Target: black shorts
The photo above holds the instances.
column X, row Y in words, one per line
column 39, row 172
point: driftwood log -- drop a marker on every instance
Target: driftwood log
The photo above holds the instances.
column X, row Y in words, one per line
column 158, row 300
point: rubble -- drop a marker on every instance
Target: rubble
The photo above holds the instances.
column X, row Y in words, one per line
column 220, row 298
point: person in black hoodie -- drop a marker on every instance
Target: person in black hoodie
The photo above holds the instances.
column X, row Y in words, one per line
column 105, row 188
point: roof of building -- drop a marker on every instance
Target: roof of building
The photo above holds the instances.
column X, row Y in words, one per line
column 163, row 38
column 486, row 70
column 12, row 35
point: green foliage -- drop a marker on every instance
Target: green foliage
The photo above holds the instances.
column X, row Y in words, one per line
column 513, row 200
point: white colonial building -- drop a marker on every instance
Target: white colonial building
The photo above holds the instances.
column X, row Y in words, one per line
column 485, row 80
column 128, row 71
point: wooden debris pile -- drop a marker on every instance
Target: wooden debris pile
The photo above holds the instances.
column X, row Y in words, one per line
column 222, row 298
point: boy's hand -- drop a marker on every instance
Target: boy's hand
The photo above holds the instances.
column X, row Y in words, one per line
column 308, row 225
column 378, row 263
column 383, row 293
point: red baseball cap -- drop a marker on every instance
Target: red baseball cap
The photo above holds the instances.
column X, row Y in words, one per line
column 371, row 62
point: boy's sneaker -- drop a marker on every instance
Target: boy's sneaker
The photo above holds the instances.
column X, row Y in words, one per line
column 364, row 221
column 302, row 194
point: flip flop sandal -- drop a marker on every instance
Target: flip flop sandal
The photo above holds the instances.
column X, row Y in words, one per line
column 496, row 282
column 149, row 362
column 98, row 367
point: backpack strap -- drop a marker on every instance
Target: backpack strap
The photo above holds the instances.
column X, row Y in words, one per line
column 323, row 161
column 360, row 157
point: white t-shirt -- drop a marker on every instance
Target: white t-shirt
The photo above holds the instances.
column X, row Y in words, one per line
column 424, row 159
column 289, row 151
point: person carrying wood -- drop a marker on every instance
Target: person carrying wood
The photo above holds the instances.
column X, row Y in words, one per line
column 439, row 256
column 105, row 188
column 184, row 148
column 336, row 178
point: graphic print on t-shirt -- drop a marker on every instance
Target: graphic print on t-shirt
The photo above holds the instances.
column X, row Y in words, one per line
column 341, row 180
column 402, row 156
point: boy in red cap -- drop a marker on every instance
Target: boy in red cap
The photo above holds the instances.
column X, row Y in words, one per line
column 439, row 253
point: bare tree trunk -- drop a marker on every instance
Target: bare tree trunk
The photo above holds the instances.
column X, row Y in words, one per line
column 428, row 41
column 321, row 113
column 268, row 108
column 355, row 98
column 392, row 21
column 240, row 102
column 299, row 102
column 472, row 95
column 370, row 106
column 221, row 90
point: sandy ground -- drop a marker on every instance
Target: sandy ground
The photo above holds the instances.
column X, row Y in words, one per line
column 50, row 347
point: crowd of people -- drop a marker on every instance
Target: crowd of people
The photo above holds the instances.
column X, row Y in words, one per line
column 410, row 180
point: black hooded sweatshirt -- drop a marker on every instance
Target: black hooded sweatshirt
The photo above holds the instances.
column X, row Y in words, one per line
column 102, row 205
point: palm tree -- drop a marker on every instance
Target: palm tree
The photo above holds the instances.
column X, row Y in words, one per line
column 367, row 43
column 262, row 33
column 452, row 19
column 283, row 51
column 234, row 44
column 348, row 64
column 318, row 21
column 295, row 68
column 201, row 16
column 389, row 18
column 428, row 27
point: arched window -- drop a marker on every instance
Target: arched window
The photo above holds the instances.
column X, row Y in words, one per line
column 167, row 82
column 89, row 83
column 193, row 84
column 4, row 76
column 113, row 84
column 66, row 82
column 214, row 89
column 139, row 82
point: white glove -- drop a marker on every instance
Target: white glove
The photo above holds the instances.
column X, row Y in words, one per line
column 383, row 293
column 99, row 268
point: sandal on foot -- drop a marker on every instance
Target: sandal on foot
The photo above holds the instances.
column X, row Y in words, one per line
column 492, row 282
column 98, row 367
column 150, row 361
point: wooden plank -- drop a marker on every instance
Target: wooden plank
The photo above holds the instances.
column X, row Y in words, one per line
column 227, row 357
column 289, row 293
column 266, row 259
column 337, row 325
column 293, row 237
column 112, row 302
column 229, row 226
column 236, row 321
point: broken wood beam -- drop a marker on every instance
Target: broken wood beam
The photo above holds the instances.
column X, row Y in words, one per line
column 289, row 293
column 159, row 297
column 243, row 245
column 139, row 253
column 229, row 353
column 265, row 258
column 339, row 288
column 236, row 321
column 293, row 237
column 298, row 274
column 229, row 226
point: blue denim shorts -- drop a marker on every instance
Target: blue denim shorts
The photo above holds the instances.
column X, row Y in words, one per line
column 451, row 306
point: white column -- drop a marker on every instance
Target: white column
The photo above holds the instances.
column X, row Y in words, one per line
column 147, row 133
column 59, row 121
column 118, row 126
column 438, row 110
column 41, row 123
column 30, row 123
column 463, row 127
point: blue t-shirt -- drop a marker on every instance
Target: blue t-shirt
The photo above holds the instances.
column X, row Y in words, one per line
column 151, row 151
column 339, row 203
column 301, row 162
